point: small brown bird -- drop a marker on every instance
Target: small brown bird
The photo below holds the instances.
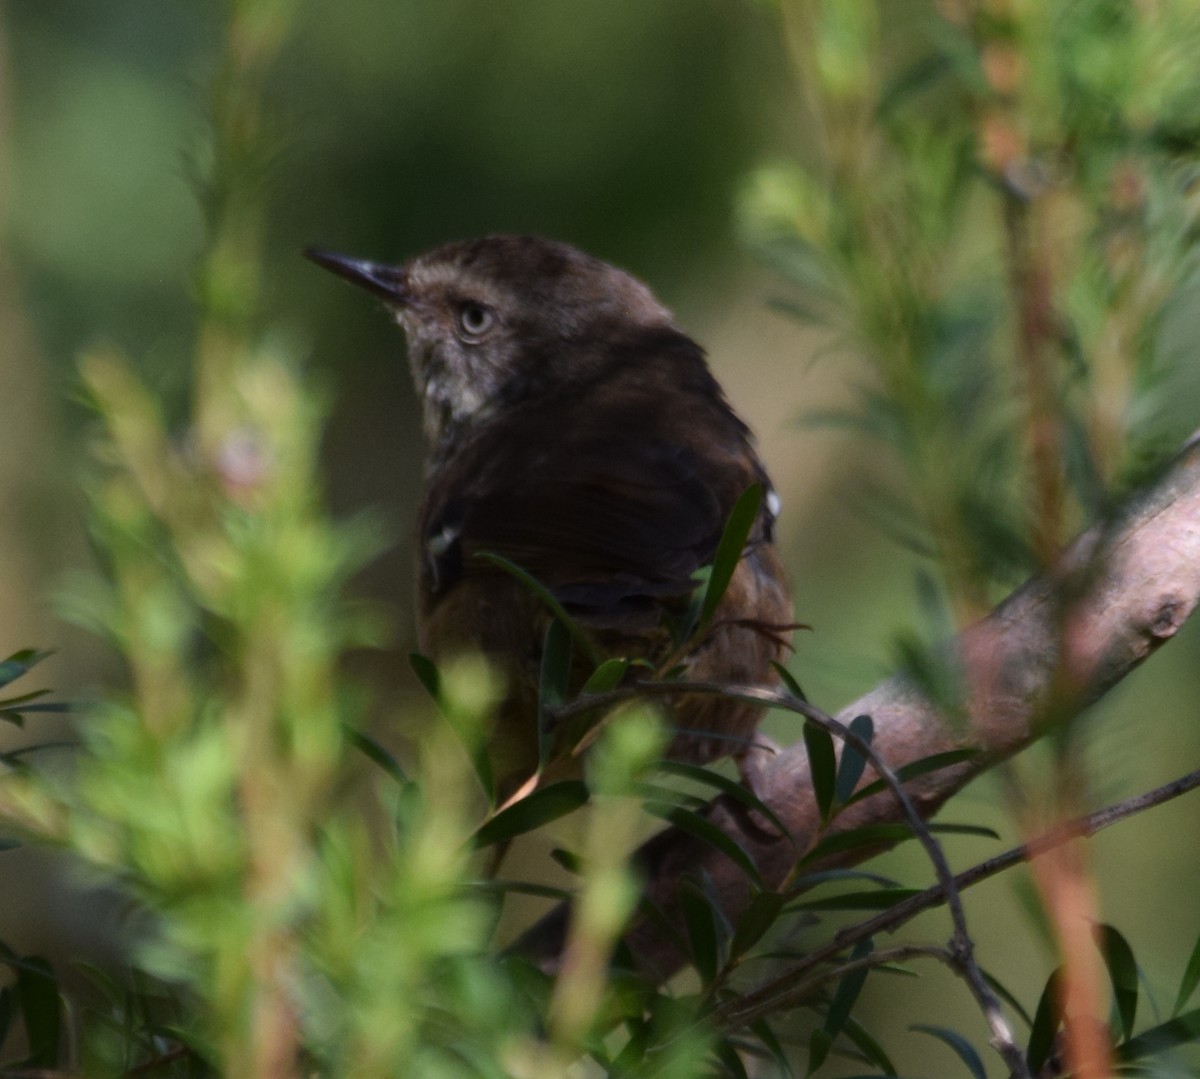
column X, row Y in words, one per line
column 576, row 431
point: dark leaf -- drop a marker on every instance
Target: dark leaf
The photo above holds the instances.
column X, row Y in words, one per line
column 552, row 685
column 1003, row 992
column 1191, row 978
column 924, row 766
column 867, row 1045
column 879, row 899
column 1123, row 972
column 702, row 930
column 822, row 765
column 819, row 1044
column 853, row 763
column 789, row 681
column 41, row 1010
column 541, row 807
column 730, row 787
column 704, row 830
column 19, row 663
column 731, row 1063
column 569, row 860
column 847, row 991
column 427, row 674
column 763, row 1032
column 1045, row 1024
column 729, row 549
column 1182, row 1030
column 375, row 752
column 965, row 1050
column 759, row 916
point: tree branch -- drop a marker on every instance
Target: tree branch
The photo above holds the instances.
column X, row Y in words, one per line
column 1057, row 644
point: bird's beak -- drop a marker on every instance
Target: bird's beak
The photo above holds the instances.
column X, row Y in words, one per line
column 388, row 282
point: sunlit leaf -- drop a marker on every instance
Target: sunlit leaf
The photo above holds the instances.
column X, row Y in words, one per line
column 606, row 677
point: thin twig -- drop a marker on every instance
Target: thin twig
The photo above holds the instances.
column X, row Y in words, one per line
column 888, row 920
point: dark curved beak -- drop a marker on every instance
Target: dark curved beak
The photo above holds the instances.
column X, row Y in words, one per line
column 388, row 282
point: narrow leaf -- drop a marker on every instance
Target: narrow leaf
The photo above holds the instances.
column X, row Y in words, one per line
column 924, row 766
column 701, row 930
column 729, row 549
column 541, row 807
column 762, row 913
column 374, row 751
column 469, row 732
column 789, row 681
column 1191, row 978
column 847, row 991
column 1045, row 1024
column 552, row 686
column 605, row 677
column 703, row 829
column 965, row 1050
column 727, row 786
column 763, row 1032
column 20, row 663
column 41, row 1010
column 822, row 766
column 866, row 1043
column 853, row 763
column 819, row 1044
column 879, row 899
column 1182, row 1030
column 1123, row 972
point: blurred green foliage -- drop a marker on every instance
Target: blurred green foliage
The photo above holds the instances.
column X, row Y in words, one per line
column 946, row 152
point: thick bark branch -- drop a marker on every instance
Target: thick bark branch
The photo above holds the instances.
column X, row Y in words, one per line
column 1053, row 647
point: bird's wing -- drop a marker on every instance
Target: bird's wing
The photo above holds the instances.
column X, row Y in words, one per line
column 612, row 529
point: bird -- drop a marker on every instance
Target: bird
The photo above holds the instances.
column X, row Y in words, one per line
column 577, row 432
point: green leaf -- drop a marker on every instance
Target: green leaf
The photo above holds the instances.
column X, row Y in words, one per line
column 606, row 677
column 762, row 913
column 819, row 1044
column 702, row 930
column 868, row 1046
column 731, row 1060
column 727, row 786
column 853, row 763
column 374, row 751
column 729, row 549
column 1123, row 972
column 20, row 663
column 544, row 805
column 41, row 1010
column 879, row 899
column 763, row 1032
column 1046, row 1021
column 1006, row 995
column 578, row 635
column 468, row 731
column 701, row 828
column 427, row 674
column 965, row 1050
column 847, row 991
column 1182, row 1030
column 789, row 681
column 921, row 767
column 822, row 765
column 553, row 680
column 1191, row 978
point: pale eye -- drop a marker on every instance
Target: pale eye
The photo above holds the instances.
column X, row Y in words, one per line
column 474, row 319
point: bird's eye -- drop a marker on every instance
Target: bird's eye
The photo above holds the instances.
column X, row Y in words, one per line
column 474, row 319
